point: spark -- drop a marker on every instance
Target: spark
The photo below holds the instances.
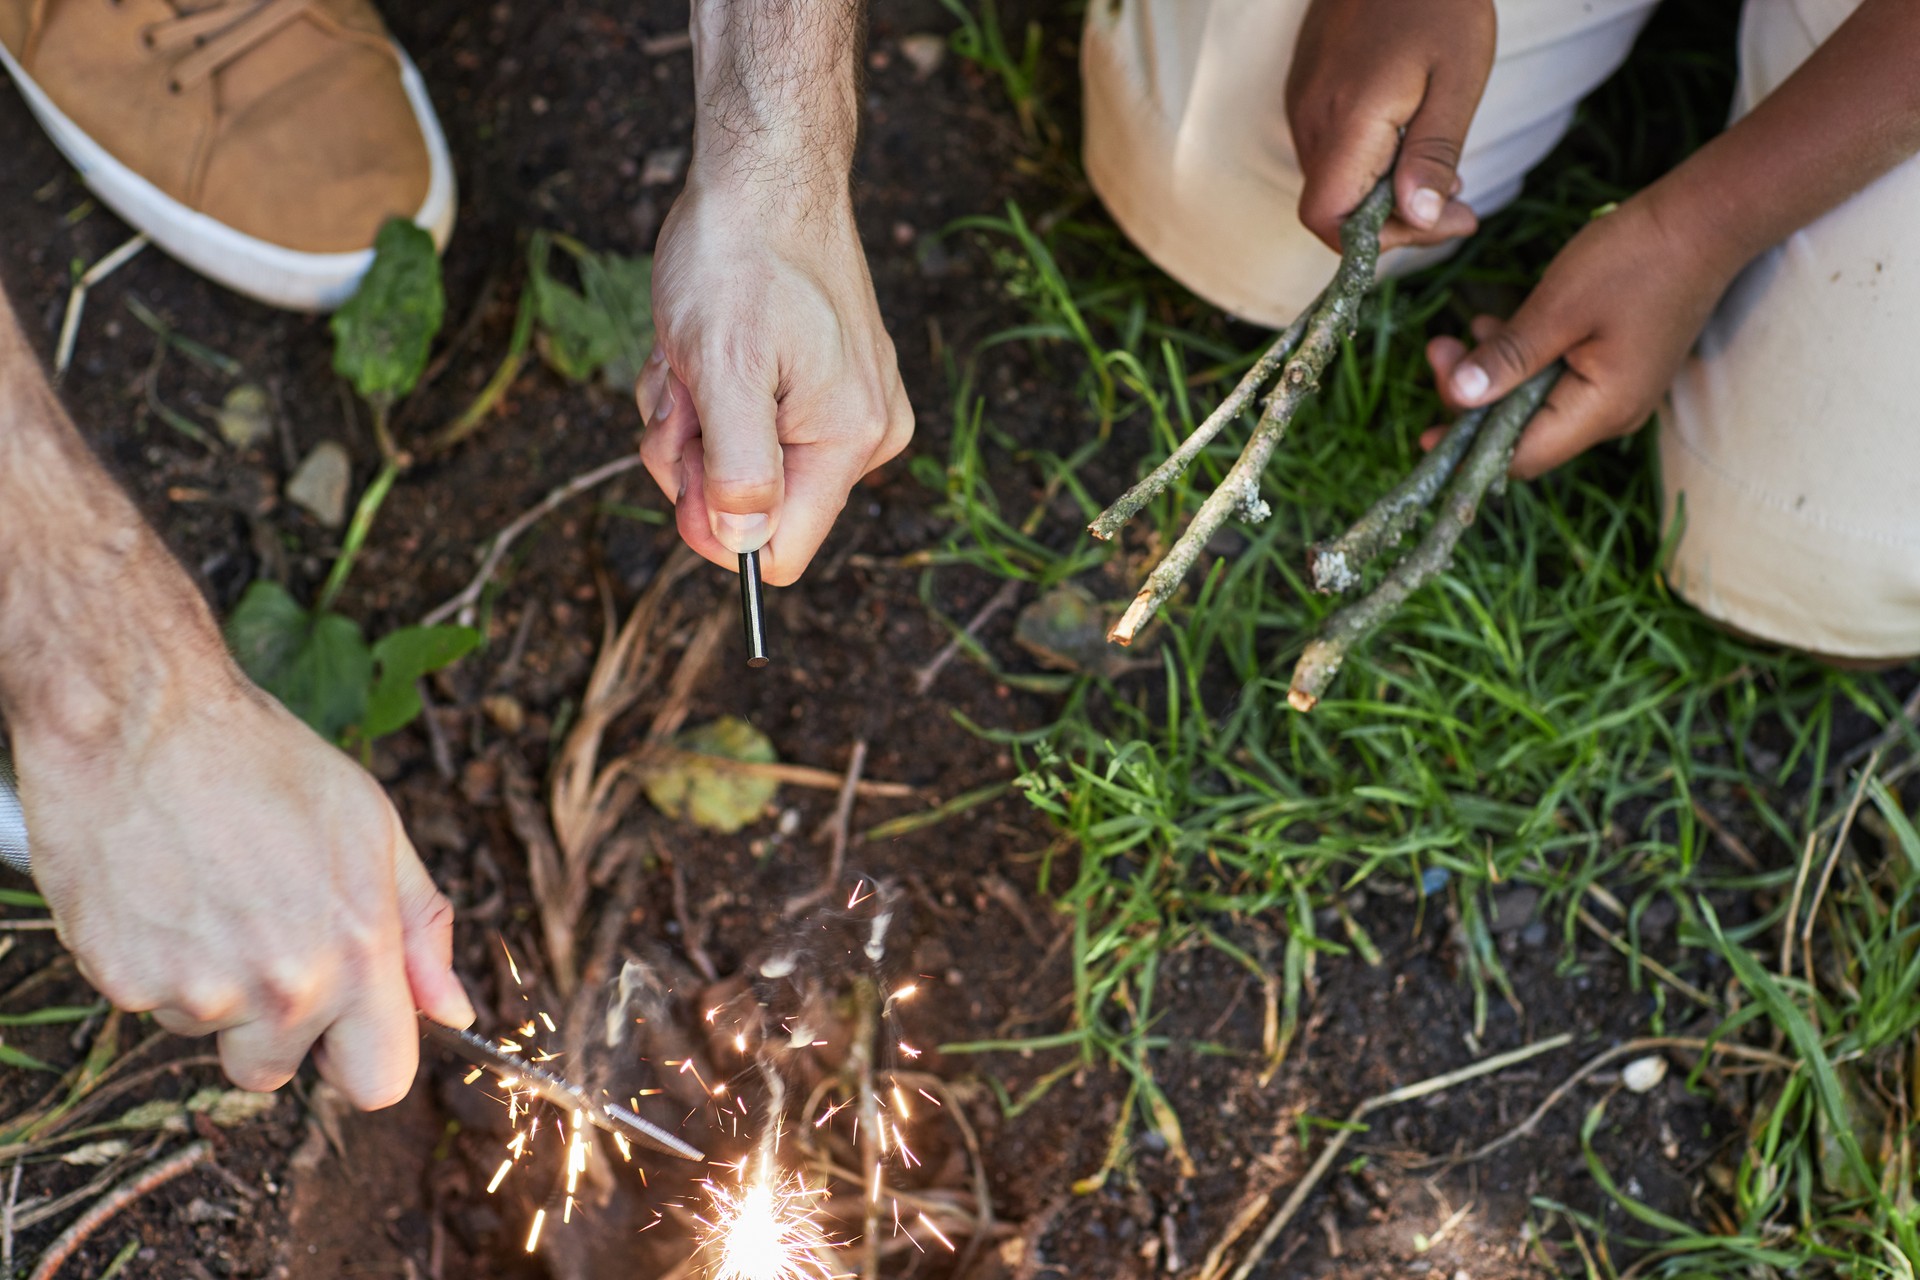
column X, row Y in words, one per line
column 500, row 1175
column 938, row 1234
column 904, row 993
column 909, row 1050
column 859, row 896
column 548, row 1019
column 767, row 1229
column 514, row 969
column 474, row 1074
column 533, row 1236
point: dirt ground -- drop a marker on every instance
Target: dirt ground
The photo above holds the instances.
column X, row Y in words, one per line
column 553, row 111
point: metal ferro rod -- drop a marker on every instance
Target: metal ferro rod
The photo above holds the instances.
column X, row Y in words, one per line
column 753, row 609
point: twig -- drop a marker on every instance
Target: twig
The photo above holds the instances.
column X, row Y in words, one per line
column 465, row 605
column 1645, row 961
column 1407, row 1093
column 1157, row 481
column 1335, row 566
column 923, row 678
column 1904, row 722
column 1630, row 1048
column 839, row 829
column 1330, row 323
column 860, row 1062
column 153, row 1176
column 690, row 934
column 799, row 775
column 1485, row 464
column 77, row 300
column 1867, row 773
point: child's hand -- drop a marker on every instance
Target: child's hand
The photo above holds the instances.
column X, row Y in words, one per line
column 1621, row 304
column 1374, row 77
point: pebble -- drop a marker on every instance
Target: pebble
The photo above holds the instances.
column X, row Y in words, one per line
column 926, row 52
column 1642, row 1075
column 245, row 417
column 319, row 484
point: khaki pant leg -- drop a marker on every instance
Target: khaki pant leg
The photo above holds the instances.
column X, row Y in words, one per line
column 1790, row 453
column 1187, row 139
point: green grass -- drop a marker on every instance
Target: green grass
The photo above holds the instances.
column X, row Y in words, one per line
column 1546, row 713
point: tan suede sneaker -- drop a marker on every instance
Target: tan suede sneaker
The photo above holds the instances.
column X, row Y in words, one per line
column 261, row 142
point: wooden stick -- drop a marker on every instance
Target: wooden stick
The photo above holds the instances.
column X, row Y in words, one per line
column 1108, row 522
column 1335, row 566
column 153, row 1176
column 1329, row 324
column 1485, row 465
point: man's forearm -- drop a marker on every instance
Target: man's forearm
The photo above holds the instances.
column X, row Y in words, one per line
column 97, row 621
column 777, row 95
column 1849, row 114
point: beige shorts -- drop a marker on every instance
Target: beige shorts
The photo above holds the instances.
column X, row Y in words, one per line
column 1790, row 448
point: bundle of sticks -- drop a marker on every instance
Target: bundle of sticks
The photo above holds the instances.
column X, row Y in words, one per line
column 1452, row 479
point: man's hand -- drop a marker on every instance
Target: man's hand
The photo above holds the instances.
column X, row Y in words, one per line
column 773, row 387
column 1376, row 78
column 207, row 857
column 237, row 876
column 1621, row 304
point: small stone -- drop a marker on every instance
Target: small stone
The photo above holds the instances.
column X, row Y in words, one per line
column 925, row 51
column 1514, row 907
column 505, row 711
column 663, row 167
column 1642, row 1075
column 319, row 484
column 245, row 417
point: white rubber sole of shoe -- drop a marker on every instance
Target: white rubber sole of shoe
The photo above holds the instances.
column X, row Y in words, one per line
column 270, row 273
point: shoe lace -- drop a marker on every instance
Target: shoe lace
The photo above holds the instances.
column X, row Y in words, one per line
column 207, row 37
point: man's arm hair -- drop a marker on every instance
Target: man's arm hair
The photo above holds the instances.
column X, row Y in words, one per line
column 96, row 617
column 777, row 86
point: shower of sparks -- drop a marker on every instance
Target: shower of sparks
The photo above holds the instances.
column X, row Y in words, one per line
column 768, row 1228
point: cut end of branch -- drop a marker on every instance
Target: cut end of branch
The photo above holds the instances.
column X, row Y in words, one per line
column 1133, row 619
column 1319, row 664
column 1100, row 530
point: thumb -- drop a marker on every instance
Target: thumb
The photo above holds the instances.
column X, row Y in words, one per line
column 1506, row 355
column 1426, row 177
column 743, row 471
column 426, row 940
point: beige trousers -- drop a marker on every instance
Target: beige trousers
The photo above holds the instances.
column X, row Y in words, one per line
column 1790, row 447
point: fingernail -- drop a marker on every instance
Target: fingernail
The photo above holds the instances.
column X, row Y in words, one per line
column 681, row 492
column 1469, row 382
column 741, row 534
column 1426, row 206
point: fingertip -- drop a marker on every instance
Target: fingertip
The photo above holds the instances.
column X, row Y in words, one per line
column 1431, row 437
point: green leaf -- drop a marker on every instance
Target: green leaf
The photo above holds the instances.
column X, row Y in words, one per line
column 381, row 336
column 265, row 631
column 20, row 898
column 12, row 1057
column 715, row 798
column 319, row 667
column 51, row 1014
column 400, row 659
column 606, row 326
